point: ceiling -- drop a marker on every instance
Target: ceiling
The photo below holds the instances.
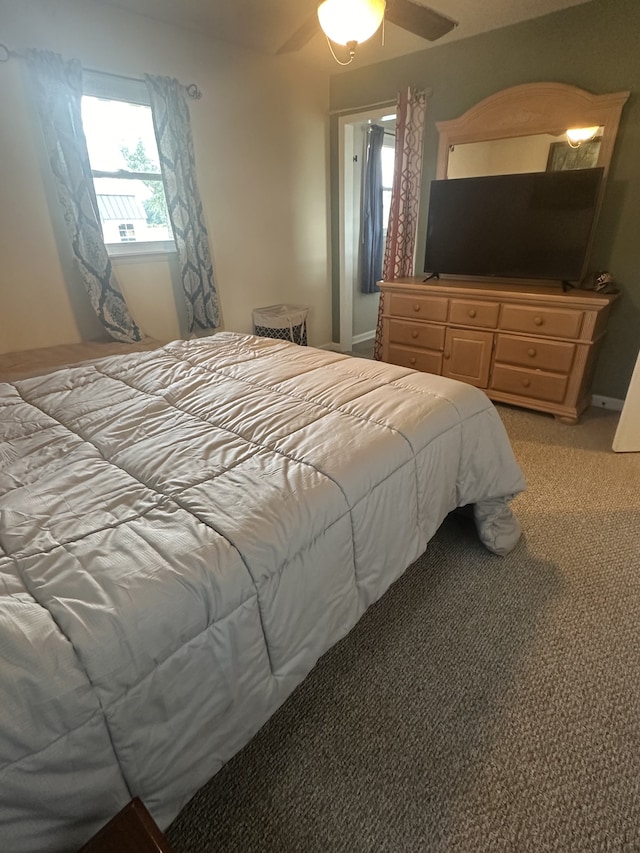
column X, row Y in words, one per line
column 264, row 25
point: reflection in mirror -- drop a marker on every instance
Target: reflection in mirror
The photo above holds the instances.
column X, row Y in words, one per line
column 542, row 152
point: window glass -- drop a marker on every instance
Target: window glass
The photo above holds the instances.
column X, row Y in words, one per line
column 388, row 159
column 126, row 172
column 127, row 231
column 116, row 131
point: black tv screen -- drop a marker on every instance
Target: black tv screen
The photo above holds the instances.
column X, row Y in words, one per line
column 531, row 225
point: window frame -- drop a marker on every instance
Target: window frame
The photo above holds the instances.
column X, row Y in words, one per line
column 112, row 87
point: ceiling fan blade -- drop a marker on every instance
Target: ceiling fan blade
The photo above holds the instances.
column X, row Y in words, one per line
column 301, row 36
column 419, row 20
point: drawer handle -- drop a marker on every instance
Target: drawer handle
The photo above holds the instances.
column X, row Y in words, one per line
column 531, row 352
column 412, row 360
column 416, row 307
column 472, row 312
column 414, row 334
column 447, row 355
column 526, row 382
column 538, row 321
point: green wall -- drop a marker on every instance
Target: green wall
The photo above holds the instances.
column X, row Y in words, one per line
column 593, row 46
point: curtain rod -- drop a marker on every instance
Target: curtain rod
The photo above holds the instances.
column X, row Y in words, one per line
column 390, row 103
column 384, row 130
column 6, row 54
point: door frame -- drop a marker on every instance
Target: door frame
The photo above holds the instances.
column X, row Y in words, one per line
column 627, row 437
column 349, row 197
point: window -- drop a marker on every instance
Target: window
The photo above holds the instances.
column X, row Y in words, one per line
column 117, row 122
column 388, row 161
column 127, row 232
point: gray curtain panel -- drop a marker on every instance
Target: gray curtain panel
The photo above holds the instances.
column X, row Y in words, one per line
column 372, row 247
column 177, row 164
column 58, row 94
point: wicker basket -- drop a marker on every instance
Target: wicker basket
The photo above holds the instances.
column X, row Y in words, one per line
column 286, row 322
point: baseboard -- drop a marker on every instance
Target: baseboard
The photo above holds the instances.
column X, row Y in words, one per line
column 365, row 336
column 357, row 339
column 607, row 403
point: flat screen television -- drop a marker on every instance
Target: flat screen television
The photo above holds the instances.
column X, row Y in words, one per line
column 535, row 225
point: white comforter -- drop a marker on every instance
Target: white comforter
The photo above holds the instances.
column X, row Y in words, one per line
column 183, row 533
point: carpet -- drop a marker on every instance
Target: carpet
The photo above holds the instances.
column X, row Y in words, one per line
column 484, row 704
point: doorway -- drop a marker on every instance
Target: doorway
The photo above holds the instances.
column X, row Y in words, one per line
column 627, row 437
column 358, row 311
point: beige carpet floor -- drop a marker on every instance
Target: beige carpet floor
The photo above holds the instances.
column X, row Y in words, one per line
column 484, row 705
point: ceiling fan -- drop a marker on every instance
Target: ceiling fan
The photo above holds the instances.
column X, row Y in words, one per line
column 350, row 22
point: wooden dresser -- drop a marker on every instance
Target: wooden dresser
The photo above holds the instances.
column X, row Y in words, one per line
column 527, row 344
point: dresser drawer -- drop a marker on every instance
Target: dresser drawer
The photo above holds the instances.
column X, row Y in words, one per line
column 535, row 353
column 419, row 307
column 535, row 384
column 467, row 313
column 551, row 322
column 416, row 334
column 522, row 343
column 427, row 362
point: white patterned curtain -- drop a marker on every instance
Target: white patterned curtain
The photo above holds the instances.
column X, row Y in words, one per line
column 58, row 95
column 405, row 195
column 177, row 164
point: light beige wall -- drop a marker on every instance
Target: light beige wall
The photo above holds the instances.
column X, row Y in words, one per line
column 260, row 138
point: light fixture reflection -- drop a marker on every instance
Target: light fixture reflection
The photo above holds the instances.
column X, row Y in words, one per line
column 577, row 135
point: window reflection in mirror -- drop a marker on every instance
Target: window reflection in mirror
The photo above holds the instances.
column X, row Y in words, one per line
column 538, row 153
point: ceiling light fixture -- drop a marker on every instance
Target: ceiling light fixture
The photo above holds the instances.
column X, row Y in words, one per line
column 350, row 22
column 577, row 135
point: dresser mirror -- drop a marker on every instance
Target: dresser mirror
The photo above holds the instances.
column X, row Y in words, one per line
column 523, row 129
column 540, row 152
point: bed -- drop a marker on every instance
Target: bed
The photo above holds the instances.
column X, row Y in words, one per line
column 183, row 533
